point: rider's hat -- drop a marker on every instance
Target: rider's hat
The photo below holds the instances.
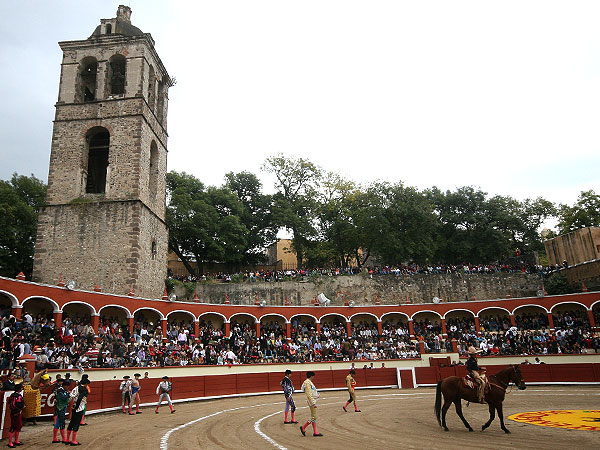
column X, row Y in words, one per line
column 472, row 350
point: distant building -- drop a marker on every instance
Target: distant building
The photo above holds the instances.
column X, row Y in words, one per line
column 281, row 255
column 575, row 248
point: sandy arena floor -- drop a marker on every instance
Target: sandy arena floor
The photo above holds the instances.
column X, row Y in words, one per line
column 390, row 419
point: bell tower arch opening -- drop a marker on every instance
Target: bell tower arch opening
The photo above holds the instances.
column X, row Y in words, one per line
column 116, row 75
column 86, row 87
column 98, row 143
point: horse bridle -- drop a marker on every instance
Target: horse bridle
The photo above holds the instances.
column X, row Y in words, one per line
column 507, row 384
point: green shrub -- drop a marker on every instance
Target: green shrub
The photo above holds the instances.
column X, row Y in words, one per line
column 557, row 284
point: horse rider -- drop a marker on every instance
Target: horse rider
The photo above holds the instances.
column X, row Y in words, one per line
column 476, row 372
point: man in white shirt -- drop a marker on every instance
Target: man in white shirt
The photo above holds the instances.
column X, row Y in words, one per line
column 162, row 390
column 230, row 356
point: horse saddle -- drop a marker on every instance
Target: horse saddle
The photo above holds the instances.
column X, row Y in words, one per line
column 471, row 383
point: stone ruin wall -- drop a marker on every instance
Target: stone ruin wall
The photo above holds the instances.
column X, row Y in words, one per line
column 363, row 290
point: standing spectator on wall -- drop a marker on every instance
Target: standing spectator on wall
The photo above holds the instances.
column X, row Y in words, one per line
column 9, row 383
column 92, row 355
column 312, row 395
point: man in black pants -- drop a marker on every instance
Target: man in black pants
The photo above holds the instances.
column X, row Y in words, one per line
column 79, row 396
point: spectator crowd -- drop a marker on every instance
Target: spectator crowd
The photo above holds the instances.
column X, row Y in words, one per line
column 74, row 345
column 409, row 269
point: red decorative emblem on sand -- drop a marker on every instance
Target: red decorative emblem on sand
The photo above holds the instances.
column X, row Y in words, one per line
column 575, row 419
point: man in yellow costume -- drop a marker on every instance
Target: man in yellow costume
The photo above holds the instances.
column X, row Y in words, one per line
column 311, row 398
column 350, row 384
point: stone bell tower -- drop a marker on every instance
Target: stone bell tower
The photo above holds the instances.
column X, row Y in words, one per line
column 104, row 219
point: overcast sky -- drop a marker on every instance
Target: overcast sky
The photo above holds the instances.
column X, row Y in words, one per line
column 503, row 96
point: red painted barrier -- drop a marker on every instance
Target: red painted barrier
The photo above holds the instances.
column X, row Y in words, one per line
column 532, row 373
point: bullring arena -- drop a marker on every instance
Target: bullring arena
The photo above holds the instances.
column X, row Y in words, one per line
column 241, row 406
column 390, row 419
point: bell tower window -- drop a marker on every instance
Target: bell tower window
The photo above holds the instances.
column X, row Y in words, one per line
column 108, row 28
column 153, row 181
column 86, row 91
column 151, row 88
column 98, row 144
column 116, row 75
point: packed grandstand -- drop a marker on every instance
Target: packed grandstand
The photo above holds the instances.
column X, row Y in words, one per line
column 75, row 345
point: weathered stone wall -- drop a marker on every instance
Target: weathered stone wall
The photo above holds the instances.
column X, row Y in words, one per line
column 388, row 289
column 128, row 171
column 587, row 273
column 117, row 238
column 577, row 247
column 105, row 243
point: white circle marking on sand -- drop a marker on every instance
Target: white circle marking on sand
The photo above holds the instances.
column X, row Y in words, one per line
column 281, row 447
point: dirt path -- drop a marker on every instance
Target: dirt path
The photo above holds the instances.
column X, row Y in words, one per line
column 390, row 419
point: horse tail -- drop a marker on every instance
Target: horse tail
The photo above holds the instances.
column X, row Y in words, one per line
column 438, row 402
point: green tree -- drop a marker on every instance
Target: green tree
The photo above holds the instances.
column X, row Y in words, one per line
column 557, row 284
column 531, row 215
column 256, row 216
column 400, row 224
column 471, row 227
column 294, row 203
column 204, row 223
column 584, row 213
column 338, row 235
column 20, row 200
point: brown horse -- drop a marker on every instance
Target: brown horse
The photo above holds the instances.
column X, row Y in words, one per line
column 454, row 390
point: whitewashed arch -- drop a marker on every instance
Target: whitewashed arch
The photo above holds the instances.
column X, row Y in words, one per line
column 274, row 314
column 160, row 315
column 56, row 307
column 77, row 302
column 127, row 312
column 187, row 313
column 215, row 313
column 243, row 314
column 390, row 313
column 308, row 315
column 364, row 314
column 597, row 302
column 569, row 303
column 529, row 304
column 426, row 311
column 459, row 309
column 334, row 314
column 493, row 307
column 13, row 299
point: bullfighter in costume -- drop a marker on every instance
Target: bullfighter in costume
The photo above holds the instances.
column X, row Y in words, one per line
column 62, row 399
column 311, row 398
column 162, row 390
column 135, row 392
column 288, row 391
column 79, row 396
column 16, row 404
column 350, row 384
column 125, row 389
